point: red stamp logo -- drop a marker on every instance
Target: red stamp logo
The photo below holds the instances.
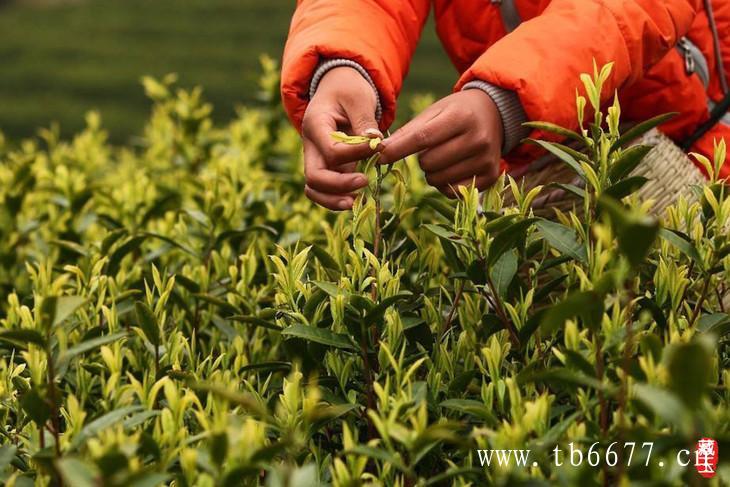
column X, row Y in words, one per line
column 706, row 453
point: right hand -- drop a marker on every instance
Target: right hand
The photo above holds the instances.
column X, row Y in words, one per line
column 344, row 101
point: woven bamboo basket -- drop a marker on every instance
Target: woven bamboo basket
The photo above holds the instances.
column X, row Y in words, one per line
column 669, row 171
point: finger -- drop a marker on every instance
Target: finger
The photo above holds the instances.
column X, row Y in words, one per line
column 320, row 178
column 319, row 127
column 429, row 129
column 449, row 153
column 481, row 182
column 464, row 169
column 337, row 202
column 362, row 119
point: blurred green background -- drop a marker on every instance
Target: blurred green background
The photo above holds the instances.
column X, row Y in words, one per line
column 61, row 58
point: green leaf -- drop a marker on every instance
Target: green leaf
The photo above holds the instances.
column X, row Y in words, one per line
column 444, row 233
column 7, row 454
column 626, row 187
column 640, row 129
column 683, row 244
column 629, row 160
column 635, row 233
column 235, row 234
column 330, row 288
column 324, row 258
column 36, row 407
column 563, row 156
column 376, row 314
column 147, row 322
column 587, row 305
column 563, row 239
column 570, row 188
column 21, row 337
column 508, row 239
column 101, row 423
column 662, row 403
column 320, row 335
column 378, row 454
column 86, row 346
column 503, row 271
column 115, row 260
column 66, row 306
column 77, row 473
column 690, row 369
column 256, row 321
column 717, row 324
column 469, row 406
column 554, row 129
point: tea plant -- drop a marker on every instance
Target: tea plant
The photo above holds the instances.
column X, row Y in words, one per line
column 178, row 313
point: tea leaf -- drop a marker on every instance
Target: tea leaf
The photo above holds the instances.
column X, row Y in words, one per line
column 554, row 129
column 682, row 243
column 563, row 156
column 640, row 129
column 563, row 239
column 101, row 423
column 625, row 187
column 503, row 272
column 147, row 322
column 629, row 160
column 320, row 335
column 22, row 337
column 690, row 368
column 77, row 473
column 587, row 305
column 508, row 239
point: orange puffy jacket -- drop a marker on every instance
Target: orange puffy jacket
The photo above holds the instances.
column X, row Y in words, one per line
column 541, row 60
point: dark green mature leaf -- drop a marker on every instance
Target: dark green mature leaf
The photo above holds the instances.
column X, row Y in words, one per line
column 256, row 321
column 662, row 403
column 640, row 129
column 376, row 314
column 245, row 400
column 508, row 239
column 716, row 323
column 570, row 188
column 690, row 369
column 86, row 346
column 629, row 160
column 503, row 271
column 320, row 335
column 563, row 239
column 234, row 234
column 21, row 337
column 77, row 473
column 147, row 322
column 444, row 233
column 682, row 243
column 7, row 454
column 129, row 246
column 171, row 242
column 626, row 187
column 378, row 454
column 469, row 406
column 587, row 305
column 101, row 423
column 561, row 376
column 554, row 129
column 563, row 156
column 66, row 306
column 324, row 258
column 36, row 407
column 330, row 288
column 635, row 233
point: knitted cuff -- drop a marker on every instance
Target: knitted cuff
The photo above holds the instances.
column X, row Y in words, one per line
column 510, row 109
column 325, row 66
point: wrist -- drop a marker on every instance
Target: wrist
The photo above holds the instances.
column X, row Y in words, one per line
column 511, row 113
column 327, row 66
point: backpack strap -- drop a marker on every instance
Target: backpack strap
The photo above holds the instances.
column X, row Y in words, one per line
column 510, row 16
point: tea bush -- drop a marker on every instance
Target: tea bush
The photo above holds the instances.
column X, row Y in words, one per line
column 177, row 312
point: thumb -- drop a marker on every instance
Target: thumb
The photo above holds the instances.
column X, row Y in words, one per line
column 362, row 120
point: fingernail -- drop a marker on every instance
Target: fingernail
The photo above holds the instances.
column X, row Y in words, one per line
column 345, row 204
column 360, row 180
column 372, row 132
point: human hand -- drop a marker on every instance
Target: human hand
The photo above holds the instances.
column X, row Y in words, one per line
column 344, row 101
column 458, row 140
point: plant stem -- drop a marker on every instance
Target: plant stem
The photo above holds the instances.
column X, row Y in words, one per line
column 499, row 308
column 53, row 396
column 454, row 307
column 700, row 302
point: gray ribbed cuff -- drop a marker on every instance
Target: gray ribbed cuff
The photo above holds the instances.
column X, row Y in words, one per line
column 335, row 63
column 510, row 109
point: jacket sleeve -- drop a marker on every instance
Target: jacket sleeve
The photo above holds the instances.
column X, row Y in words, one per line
column 380, row 35
column 543, row 58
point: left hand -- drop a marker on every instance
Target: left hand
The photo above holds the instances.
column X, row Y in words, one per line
column 458, row 140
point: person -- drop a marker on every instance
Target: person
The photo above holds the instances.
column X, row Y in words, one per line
column 519, row 60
